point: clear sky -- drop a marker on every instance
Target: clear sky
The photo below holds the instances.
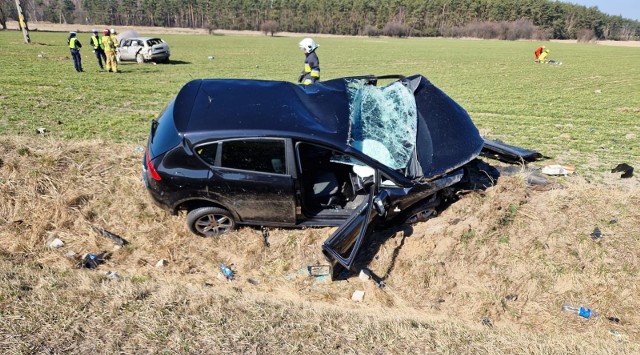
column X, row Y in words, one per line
column 627, row 8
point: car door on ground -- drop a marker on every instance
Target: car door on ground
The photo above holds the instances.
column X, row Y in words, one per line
column 252, row 178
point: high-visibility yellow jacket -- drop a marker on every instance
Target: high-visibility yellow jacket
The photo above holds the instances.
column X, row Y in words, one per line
column 96, row 42
column 74, row 43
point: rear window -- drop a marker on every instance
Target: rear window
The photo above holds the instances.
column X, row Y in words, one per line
column 164, row 135
column 154, row 41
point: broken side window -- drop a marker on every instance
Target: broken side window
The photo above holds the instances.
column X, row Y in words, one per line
column 383, row 122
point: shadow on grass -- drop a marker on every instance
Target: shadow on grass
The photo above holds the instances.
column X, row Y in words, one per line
column 176, row 62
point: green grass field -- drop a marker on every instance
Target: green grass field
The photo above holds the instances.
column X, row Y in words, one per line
column 585, row 112
column 512, row 254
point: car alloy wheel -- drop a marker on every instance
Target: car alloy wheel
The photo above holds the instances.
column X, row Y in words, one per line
column 210, row 221
column 421, row 216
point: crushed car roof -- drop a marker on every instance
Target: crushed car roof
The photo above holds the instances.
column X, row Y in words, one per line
column 442, row 136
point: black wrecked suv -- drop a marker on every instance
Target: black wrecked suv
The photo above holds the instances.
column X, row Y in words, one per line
column 345, row 152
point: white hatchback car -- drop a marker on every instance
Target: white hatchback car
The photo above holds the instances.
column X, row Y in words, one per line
column 143, row 49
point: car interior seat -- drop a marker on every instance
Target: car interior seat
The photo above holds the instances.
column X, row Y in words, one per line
column 326, row 189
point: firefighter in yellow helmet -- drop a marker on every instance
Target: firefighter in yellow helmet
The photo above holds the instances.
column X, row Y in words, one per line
column 311, row 72
column 110, row 51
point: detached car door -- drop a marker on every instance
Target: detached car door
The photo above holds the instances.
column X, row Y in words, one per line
column 252, row 177
column 345, row 243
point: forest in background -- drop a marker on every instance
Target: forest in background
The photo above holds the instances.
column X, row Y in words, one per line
column 504, row 19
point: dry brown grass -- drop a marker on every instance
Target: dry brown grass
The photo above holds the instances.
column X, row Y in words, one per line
column 442, row 276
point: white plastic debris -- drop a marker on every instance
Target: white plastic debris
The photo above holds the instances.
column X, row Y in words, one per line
column 365, row 275
column 162, row 263
column 556, row 169
column 112, row 275
column 358, row 296
column 56, row 243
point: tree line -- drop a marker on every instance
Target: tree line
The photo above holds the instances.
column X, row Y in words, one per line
column 419, row 18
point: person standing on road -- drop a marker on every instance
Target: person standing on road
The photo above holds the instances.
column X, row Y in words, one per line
column 311, row 72
column 74, row 47
column 109, row 51
column 98, row 48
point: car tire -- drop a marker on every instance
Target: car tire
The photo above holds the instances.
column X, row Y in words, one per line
column 421, row 215
column 421, row 212
column 139, row 58
column 210, row 221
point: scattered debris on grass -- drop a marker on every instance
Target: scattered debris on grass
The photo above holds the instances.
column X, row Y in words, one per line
column 555, row 169
column 56, row 243
column 227, row 272
column 625, row 169
column 162, row 263
column 596, row 234
column 112, row 275
column 365, row 275
column 358, row 296
column 581, row 311
column 92, row 261
column 117, row 239
column 265, row 236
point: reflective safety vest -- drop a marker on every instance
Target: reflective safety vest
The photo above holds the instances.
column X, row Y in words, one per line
column 311, row 72
column 97, row 42
column 72, row 43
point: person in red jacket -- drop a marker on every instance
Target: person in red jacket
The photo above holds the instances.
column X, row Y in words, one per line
column 537, row 53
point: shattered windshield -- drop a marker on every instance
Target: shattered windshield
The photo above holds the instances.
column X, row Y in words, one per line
column 383, row 122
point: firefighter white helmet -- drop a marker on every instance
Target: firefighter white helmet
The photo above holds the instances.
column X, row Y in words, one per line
column 308, row 45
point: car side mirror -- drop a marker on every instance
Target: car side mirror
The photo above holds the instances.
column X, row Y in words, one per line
column 381, row 203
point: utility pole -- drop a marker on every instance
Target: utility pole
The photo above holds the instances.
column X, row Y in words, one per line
column 23, row 23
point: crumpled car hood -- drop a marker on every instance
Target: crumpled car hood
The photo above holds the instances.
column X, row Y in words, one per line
column 411, row 125
column 447, row 137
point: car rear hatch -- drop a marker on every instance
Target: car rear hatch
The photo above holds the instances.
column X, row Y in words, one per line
column 163, row 136
column 159, row 48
